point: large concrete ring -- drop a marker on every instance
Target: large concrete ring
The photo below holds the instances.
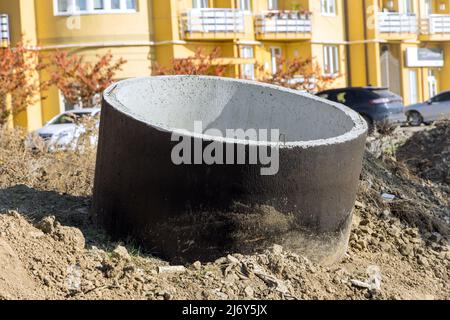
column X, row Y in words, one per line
column 186, row 212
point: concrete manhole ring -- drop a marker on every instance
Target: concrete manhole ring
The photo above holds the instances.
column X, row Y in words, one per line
column 185, row 211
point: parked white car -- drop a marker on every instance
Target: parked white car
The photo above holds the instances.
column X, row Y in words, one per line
column 437, row 108
column 62, row 131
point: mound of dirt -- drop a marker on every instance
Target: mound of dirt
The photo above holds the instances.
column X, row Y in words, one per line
column 44, row 265
column 427, row 153
column 417, row 203
column 51, row 249
column 14, row 280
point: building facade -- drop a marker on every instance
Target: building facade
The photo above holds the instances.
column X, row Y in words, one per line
column 400, row 44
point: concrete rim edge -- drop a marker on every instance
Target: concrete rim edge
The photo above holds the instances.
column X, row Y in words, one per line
column 359, row 125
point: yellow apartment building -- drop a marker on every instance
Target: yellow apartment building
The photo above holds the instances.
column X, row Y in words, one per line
column 400, row 44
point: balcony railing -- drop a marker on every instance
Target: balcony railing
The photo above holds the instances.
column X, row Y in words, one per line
column 394, row 22
column 290, row 22
column 213, row 21
column 436, row 24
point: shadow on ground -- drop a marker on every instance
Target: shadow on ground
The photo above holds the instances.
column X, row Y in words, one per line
column 69, row 210
column 35, row 205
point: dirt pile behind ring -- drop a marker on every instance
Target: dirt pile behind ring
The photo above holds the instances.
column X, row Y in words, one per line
column 427, row 153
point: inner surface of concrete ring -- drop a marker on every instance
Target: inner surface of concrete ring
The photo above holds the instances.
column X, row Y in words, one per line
column 187, row 212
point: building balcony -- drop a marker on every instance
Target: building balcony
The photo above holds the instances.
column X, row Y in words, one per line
column 435, row 27
column 397, row 26
column 275, row 25
column 213, row 24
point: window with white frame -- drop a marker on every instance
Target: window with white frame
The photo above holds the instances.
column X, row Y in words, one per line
column 248, row 69
column 428, row 8
column 200, row 4
column 115, row 4
column 272, row 4
column 64, row 105
column 331, row 60
column 408, row 6
column 413, row 91
column 62, row 6
column 99, row 5
column 432, row 83
column 82, row 5
column 275, row 53
column 245, row 5
column 75, row 7
column 328, row 7
column 4, row 30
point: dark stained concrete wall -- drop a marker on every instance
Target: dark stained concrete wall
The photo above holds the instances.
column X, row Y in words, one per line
column 192, row 212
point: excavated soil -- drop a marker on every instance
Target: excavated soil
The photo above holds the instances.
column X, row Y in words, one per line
column 427, row 153
column 51, row 249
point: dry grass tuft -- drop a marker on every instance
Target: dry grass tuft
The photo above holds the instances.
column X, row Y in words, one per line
column 68, row 172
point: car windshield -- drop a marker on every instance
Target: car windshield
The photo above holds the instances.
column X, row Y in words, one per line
column 445, row 96
column 68, row 118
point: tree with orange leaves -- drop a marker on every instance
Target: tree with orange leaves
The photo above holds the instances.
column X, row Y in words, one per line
column 19, row 79
column 82, row 82
column 200, row 63
column 300, row 74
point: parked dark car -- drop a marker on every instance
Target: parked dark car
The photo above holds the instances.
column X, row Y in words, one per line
column 375, row 104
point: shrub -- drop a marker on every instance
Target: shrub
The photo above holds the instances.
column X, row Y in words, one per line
column 19, row 79
column 81, row 82
column 200, row 63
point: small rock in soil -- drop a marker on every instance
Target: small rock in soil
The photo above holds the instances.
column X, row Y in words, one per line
column 121, row 253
